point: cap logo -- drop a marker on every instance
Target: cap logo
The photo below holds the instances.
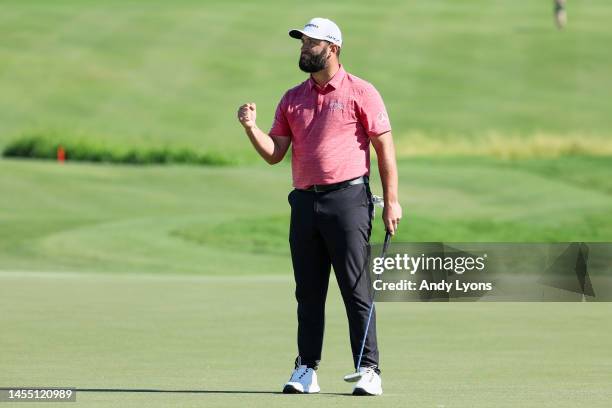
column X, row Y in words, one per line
column 311, row 25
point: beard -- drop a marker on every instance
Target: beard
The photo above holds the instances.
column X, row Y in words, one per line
column 313, row 62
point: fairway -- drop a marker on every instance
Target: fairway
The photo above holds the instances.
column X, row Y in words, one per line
column 194, row 220
column 223, row 341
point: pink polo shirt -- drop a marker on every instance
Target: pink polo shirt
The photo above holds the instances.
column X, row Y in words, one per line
column 330, row 128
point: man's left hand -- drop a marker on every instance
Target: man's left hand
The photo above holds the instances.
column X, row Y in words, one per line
column 392, row 214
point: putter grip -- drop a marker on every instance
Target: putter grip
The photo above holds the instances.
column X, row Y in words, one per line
column 386, row 244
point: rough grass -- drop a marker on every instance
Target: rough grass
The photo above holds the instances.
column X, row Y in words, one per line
column 505, row 146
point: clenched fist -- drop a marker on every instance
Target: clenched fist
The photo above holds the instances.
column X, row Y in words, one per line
column 247, row 114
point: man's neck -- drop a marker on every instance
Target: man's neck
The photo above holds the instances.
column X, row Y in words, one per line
column 325, row 75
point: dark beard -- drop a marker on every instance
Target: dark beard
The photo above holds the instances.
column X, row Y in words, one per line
column 313, row 62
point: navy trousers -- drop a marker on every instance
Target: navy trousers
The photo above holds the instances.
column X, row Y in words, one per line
column 332, row 229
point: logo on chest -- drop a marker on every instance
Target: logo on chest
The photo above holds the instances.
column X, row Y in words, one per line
column 336, row 106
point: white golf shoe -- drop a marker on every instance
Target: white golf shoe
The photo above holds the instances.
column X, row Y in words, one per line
column 303, row 381
column 369, row 383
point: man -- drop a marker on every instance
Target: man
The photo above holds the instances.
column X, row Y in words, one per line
column 330, row 120
column 560, row 14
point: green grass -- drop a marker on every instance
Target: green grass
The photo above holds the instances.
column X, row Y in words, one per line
column 166, row 74
column 230, row 342
column 180, row 219
column 178, row 278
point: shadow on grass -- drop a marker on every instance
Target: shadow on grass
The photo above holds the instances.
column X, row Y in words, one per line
column 147, row 390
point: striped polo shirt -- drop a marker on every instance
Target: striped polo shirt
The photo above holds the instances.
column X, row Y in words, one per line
column 330, row 128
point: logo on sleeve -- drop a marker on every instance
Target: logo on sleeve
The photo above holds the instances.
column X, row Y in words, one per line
column 382, row 117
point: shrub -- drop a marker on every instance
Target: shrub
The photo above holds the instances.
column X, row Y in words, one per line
column 80, row 149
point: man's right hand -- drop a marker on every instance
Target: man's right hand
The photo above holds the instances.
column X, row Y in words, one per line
column 247, row 114
column 271, row 148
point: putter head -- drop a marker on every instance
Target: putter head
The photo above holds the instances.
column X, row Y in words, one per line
column 353, row 377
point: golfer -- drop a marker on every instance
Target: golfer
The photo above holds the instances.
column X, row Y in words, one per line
column 329, row 120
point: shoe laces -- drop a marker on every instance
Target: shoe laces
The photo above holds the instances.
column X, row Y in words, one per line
column 300, row 372
column 369, row 372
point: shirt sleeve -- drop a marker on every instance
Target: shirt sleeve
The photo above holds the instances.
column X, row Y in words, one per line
column 372, row 112
column 280, row 126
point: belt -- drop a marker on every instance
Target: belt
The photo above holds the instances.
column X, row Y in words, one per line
column 321, row 188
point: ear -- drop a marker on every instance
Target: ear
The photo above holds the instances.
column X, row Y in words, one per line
column 334, row 48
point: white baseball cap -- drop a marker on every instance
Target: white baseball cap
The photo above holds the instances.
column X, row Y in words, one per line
column 321, row 29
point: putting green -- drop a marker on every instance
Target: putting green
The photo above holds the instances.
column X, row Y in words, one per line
column 226, row 341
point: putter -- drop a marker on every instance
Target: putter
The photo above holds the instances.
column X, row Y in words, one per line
column 354, row 377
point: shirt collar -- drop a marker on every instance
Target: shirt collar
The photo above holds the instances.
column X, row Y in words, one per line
column 334, row 82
